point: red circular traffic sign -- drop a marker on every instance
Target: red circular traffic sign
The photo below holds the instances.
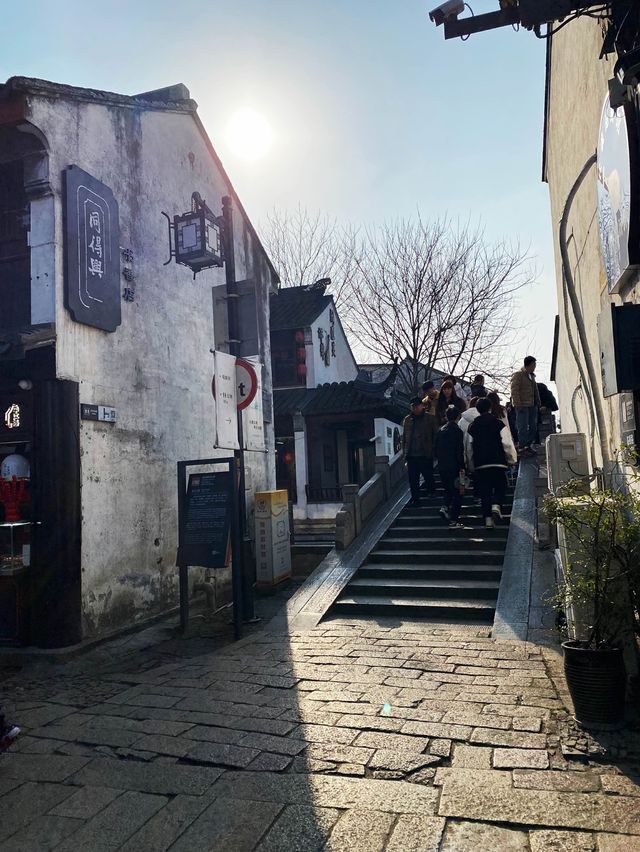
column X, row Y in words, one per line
column 246, row 383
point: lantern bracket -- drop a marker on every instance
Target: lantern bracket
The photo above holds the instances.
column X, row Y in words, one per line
column 172, row 252
column 199, row 207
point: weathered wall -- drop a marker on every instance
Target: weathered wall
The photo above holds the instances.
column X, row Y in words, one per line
column 156, row 369
column 577, row 89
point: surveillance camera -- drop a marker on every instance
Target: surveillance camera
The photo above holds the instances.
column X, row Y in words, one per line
column 448, row 9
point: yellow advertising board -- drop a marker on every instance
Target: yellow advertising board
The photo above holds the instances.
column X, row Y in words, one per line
column 273, row 547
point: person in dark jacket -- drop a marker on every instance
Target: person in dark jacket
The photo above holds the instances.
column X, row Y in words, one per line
column 447, row 397
column 477, row 386
column 449, row 451
column 491, row 453
column 418, row 435
column 548, row 402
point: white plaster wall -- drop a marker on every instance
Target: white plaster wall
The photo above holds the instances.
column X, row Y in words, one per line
column 343, row 367
column 156, row 369
column 578, row 88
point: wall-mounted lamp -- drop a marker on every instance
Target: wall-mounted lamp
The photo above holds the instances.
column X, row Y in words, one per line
column 25, row 384
column 195, row 238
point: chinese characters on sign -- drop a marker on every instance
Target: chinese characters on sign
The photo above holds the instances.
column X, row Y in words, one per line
column 224, row 392
column 129, row 291
column 92, row 252
column 12, row 417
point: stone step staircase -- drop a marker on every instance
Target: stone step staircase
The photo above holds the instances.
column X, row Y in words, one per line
column 423, row 568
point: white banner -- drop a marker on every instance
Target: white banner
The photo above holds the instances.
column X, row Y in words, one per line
column 252, row 422
column 225, row 398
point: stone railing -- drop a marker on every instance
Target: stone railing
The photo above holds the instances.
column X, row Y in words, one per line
column 361, row 501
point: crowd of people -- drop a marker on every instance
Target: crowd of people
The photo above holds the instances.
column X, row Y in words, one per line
column 472, row 438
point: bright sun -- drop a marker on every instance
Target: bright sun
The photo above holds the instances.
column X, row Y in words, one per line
column 249, row 134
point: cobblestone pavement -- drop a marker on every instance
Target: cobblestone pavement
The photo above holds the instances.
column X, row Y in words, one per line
column 354, row 735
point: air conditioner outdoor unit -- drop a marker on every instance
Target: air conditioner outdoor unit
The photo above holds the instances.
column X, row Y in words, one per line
column 567, row 459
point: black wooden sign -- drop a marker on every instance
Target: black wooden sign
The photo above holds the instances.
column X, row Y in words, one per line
column 206, row 523
column 92, row 251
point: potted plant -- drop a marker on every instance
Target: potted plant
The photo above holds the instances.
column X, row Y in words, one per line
column 599, row 538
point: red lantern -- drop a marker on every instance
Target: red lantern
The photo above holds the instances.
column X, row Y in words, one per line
column 301, row 370
column 299, row 337
column 301, row 355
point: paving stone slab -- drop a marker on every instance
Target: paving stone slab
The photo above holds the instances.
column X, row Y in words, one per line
column 300, row 828
column 42, row 834
column 621, row 785
column 166, row 826
column 279, row 745
column 402, row 762
column 41, row 767
column 221, row 754
column 38, row 716
column 416, row 834
column 399, row 742
column 148, row 778
column 109, row 829
column 86, row 802
column 470, row 836
column 266, row 762
column 492, row 777
column 520, row 758
column 564, row 782
column 330, row 792
column 512, row 739
column 471, row 757
column 228, row 824
column 436, row 729
column 618, row 843
column 337, row 753
column 325, row 734
column 27, row 802
column 88, row 734
column 493, row 803
column 562, row 841
column 173, row 746
column 365, row 831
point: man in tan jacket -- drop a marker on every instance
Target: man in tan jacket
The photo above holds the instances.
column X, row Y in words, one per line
column 526, row 401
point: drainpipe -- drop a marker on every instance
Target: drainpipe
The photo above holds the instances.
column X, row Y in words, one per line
column 577, row 312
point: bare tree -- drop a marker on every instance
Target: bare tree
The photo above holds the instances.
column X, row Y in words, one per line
column 428, row 293
column 306, row 246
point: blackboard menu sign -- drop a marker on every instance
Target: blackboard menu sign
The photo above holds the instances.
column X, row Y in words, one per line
column 206, row 524
column 92, row 251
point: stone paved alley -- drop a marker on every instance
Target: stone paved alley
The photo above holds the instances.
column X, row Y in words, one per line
column 352, row 735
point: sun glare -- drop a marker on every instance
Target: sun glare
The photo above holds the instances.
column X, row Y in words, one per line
column 249, row 134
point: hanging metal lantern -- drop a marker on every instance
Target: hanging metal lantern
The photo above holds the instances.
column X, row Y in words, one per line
column 195, row 237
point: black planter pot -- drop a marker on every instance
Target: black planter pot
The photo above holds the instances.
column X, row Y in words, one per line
column 597, row 682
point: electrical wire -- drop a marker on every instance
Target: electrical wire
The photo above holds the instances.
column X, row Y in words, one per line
column 577, row 311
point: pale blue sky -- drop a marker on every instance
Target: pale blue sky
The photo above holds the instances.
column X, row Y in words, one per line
column 374, row 114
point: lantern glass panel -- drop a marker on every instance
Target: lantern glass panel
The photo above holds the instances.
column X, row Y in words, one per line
column 189, row 235
column 213, row 238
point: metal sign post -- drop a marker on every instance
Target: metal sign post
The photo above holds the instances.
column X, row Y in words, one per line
column 234, row 349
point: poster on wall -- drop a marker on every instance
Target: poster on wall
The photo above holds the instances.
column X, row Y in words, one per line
column 223, row 388
column 91, row 250
column 617, row 195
